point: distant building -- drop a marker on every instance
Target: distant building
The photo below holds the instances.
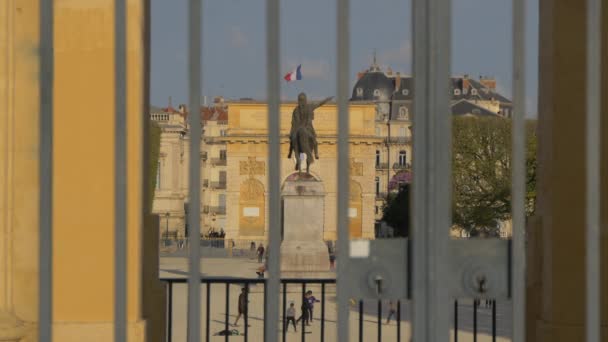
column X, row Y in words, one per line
column 393, row 95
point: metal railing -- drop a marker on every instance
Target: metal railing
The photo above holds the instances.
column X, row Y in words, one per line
column 398, row 140
column 381, row 195
column 207, row 209
column 218, row 161
column 218, row 185
column 381, row 166
column 399, row 166
column 461, row 321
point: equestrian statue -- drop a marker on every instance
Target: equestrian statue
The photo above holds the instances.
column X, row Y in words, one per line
column 302, row 137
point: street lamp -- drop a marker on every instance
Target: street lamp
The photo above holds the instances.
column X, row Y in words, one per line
column 167, row 229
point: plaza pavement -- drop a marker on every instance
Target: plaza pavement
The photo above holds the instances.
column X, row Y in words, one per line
column 177, row 267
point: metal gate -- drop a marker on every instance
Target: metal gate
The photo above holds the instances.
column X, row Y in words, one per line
column 435, row 259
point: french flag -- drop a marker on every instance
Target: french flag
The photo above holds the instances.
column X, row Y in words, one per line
column 296, row 74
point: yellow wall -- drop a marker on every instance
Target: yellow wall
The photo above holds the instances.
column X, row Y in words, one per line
column 83, row 198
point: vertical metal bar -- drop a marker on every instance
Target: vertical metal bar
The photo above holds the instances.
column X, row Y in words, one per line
column 494, row 321
column 273, row 27
column 170, row 311
column 360, row 321
column 208, row 313
column 322, row 312
column 432, row 169
column 398, row 321
column 227, row 305
column 474, row 320
column 194, row 173
column 379, row 321
column 45, row 315
column 518, row 264
column 342, row 77
column 594, row 91
column 284, row 307
column 120, row 171
column 456, row 321
column 303, row 301
column 247, row 313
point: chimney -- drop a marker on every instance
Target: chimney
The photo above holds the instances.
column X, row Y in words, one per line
column 397, row 82
column 360, row 74
column 182, row 108
column 465, row 81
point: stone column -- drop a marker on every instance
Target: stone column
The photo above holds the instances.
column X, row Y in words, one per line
column 556, row 290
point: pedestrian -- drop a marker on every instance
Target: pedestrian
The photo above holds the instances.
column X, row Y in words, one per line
column 311, row 300
column 305, row 311
column 242, row 307
column 392, row 310
column 291, row 317
column 260, row 271
column 260, row 253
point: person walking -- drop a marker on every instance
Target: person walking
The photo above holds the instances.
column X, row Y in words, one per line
column 311, row 300
column 291, row 317
column 304, row 316
column 260, row 253
column 392, row 310
column 242, row 307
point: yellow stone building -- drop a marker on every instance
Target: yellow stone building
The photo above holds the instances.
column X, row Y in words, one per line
column 234, row 173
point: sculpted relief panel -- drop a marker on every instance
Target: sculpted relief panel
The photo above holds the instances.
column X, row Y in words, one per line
column 251, row 208
column 355, row 207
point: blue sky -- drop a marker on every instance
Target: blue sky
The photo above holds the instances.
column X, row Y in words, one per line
column 234, row 45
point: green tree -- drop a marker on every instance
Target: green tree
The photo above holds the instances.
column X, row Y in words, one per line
column 396, row 211
column 481, row 172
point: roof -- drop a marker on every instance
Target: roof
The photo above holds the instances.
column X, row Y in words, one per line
column 465, row 107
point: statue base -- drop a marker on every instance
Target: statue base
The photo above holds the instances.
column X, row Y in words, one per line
column 304, row 254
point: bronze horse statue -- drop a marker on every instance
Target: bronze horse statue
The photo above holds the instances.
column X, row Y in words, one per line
column 303, row 145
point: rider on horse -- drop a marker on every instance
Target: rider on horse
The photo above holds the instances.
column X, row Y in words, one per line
column 302, row 117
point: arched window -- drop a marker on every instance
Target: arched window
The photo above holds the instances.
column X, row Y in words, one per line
column 376, row 92
column 405, row 92
column 457, row 92
column 360, row 92
column 473, row 91
column 402, row 157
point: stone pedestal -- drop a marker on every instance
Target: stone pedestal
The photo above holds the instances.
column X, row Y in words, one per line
column 304, row 254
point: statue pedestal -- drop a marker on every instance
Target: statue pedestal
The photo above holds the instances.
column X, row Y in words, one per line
column 304, row 254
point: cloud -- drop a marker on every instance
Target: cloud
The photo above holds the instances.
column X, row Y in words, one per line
column 311, row 68
column 238, row 39
column 398, row 56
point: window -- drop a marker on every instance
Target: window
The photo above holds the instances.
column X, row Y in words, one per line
column 377, row 157
column 221, row 200
column 377, row 185
column 376, row 210
column 402, row 157
column 359, row 92
column 402, row 131
column 222, row 132
column 158, row 176
column 457, row 92
column 405, row 92
column 465, row 91
column 404, row 113
column 473, row 91
column 223, row 177
column 376, row 92
column 223, row 154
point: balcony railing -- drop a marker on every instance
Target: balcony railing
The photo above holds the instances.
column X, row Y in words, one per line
column 218, row 161
column 466, row 312
column 380, row 195
column 399, row 166
column 159, row 117
column 381, row 166
column 208, row 209
column 398, row 140
column 218, row 185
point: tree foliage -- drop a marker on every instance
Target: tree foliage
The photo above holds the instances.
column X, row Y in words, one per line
column 481, row 172
column 396, row 211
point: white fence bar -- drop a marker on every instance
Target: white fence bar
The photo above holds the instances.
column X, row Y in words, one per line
column 45, row 316
column 518, row 163
column 194, row 174
column 594, row 10
column 343, row 59
column 432, row 169
column 120, row 171
column 273, row 65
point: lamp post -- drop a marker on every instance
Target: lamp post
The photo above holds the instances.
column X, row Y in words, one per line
column 167, row 230
column 388, row 154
